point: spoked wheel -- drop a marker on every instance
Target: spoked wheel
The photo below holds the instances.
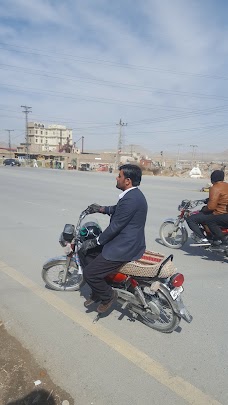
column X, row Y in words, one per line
column 172, row 236
column 53, row 273
column 167, row 321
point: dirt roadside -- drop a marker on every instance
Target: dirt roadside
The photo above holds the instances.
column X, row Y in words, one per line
column 22, row 380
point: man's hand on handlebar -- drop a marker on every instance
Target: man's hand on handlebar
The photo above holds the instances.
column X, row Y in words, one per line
column 94, row 208
column 87, row 245
column 204, row 209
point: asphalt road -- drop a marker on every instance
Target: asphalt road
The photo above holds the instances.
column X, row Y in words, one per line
column 115, row 361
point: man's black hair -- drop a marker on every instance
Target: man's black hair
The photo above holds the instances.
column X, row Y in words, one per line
column 217, row 175
column 132, row 172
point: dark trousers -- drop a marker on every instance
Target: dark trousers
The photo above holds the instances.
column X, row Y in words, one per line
column 95, row 270
column 217, row 221
column 212, row 221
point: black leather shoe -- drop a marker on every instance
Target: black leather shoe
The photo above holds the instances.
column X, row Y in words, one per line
column 103, row 307
column 91, row 300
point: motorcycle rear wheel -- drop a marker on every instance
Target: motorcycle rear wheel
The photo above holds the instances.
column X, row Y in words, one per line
column 168, row 320
column 52, row 276
column 173, row 237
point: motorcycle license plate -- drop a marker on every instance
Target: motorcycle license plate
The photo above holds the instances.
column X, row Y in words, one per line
column 176, row 292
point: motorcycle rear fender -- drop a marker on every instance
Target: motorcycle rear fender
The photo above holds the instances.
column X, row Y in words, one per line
column 54, row 260
column 177, row 305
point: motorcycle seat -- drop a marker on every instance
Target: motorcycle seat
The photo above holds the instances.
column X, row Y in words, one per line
column 151, row 264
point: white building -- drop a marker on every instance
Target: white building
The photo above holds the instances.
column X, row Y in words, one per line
column 49, row 138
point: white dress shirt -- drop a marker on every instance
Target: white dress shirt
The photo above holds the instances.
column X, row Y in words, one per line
column 125, row 192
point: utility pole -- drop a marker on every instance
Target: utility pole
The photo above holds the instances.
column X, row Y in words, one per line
column 120, row 143
column 131, row 149
column 193, row 152
column 82, row 138
column 178, row 152
column 26, row 110
column 162, row 158
column 10, row 130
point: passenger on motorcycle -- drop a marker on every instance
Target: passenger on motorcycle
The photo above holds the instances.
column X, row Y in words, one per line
column 214, row 214
column 122, row 241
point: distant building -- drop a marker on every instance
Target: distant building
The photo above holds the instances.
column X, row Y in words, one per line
column 146, row 163
column 51, row 138
column 7, row 152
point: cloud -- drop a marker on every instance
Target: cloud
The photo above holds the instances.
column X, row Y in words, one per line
column 160, row 66
column 32, row 12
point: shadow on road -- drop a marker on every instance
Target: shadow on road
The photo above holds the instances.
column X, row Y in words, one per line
column 197, row 252
column 85, row 290
column 38, row 397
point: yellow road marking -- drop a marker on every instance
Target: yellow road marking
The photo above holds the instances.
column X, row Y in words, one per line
column 178, row 385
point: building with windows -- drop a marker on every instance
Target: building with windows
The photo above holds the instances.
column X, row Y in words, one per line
column 51, row 138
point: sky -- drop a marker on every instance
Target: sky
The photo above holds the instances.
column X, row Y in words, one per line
column 158, row 65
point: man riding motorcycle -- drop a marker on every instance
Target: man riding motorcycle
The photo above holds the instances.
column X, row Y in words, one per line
column 214, row 214
column 122, row 241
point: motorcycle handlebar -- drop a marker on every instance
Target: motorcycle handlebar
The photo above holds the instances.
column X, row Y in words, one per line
column 190, row 203
column 198, row 202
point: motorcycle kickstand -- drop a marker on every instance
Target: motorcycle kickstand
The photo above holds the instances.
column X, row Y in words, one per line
column 97, row 317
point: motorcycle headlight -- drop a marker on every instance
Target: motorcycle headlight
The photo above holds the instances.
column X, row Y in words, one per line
column 62, row 241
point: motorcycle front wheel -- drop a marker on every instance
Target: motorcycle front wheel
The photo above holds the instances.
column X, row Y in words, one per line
column 52, row 275
column 172, row 236
column 167, row 321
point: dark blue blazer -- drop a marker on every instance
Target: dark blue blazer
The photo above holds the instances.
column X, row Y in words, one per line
column 124, row 238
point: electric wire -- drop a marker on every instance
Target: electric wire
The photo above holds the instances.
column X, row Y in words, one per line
column 33, row 51
column 128, row 86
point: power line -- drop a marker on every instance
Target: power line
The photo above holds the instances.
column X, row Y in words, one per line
column 95, row 99
column 57, row 55
column 110, row 83
column 163, row 119
column 112, row 101
column 186, row 129
column 109, row 125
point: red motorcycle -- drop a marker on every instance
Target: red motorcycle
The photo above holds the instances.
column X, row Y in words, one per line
column 174, row 234
column 149, row 288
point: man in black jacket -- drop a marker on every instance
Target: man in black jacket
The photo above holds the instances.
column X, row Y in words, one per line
column 122, row 241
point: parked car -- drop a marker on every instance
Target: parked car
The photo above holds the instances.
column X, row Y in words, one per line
column 11, row 162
